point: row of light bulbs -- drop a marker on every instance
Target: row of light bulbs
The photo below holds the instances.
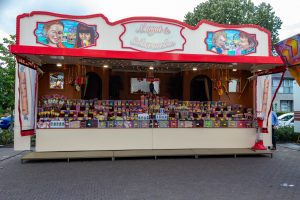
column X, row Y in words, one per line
column 150, row 68
column 60, row 65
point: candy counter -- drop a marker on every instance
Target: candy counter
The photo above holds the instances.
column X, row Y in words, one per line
column 149, row 112
column 152, row 122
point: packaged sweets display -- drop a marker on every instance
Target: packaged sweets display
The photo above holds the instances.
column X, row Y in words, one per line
column 74, row 124
column 136, row 124
column 190, row 124
column 249, row 124
column 232, row 124
column 92, row 123
column 150, row 112
column 43, row 124
column 173, row 124
column 83, row 124
column 198, row 124
column 181, row 124
column 110, row 124
column 217, row 124
column 208, row 124
column 242, row 124
column 118, row 124
column 163, row 124
column 145, row 124
column 224, row 124
column 57, row 124
column 102, row 124
column 128, row 124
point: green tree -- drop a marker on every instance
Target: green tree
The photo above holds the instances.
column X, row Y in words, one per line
column 236, row 12
column 7, row 76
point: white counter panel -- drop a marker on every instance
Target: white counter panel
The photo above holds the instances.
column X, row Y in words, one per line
column 92, row 139
column 157, row 138
column 184, row 138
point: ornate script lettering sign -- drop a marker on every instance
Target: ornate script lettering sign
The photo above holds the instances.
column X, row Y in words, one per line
column 152, row 37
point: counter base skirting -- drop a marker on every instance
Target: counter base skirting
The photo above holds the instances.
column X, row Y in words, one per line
column 155, row 154
column 48, row 140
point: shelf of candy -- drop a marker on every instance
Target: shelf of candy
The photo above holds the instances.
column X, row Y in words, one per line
column 195, row 114
column 49, row 107
column 149, row 112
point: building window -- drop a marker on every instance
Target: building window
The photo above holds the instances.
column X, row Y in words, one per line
column 275, row 83
column 275, row 107
column 285, row 88
column 288, row 86
column 286, row 105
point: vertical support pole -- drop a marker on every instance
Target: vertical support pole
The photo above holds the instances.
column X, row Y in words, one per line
column 105, row 83
column 186, row 86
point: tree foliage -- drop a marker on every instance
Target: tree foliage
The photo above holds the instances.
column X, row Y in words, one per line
column 236, row 12
column 7, row 76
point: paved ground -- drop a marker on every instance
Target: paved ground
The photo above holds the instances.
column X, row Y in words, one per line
column 185, row 178
column 293, row 146
column 7, row 153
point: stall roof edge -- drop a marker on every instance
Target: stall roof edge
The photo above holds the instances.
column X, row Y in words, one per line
column 131, row 55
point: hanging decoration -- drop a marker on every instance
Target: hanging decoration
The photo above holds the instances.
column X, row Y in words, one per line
column 244, row 88
column 71, row 76
column 80, row 78
column 220, row 79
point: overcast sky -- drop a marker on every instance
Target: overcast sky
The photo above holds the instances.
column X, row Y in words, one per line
column 287, row 10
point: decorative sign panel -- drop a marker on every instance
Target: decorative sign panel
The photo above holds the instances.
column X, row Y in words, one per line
column 66, row 34
column 143, row 34
column 231, row 42
column 152, row 36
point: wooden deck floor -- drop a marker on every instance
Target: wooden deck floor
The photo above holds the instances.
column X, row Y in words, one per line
column 140, row 153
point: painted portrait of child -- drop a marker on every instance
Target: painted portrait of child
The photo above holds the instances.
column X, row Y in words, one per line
column 85, row 36
column 53, row 31
column 65, row 33
column 219, row 41
column 231, row 42
column 246, row 44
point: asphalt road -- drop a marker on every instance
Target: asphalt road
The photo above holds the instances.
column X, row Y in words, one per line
column 186, row 178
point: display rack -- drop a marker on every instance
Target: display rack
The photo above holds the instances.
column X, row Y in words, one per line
column 153, row 112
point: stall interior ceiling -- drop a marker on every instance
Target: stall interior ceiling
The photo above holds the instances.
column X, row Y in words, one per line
column 144, row 65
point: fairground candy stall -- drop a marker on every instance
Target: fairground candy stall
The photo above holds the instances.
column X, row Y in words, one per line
column 85, row 83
